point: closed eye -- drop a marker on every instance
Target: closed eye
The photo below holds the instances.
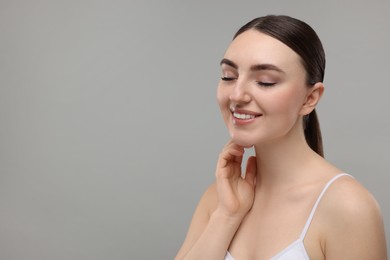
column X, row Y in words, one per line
column 228, row 78
column 266, row 84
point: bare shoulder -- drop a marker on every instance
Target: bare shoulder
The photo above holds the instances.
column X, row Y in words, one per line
column 353, row 226
column 346, row 197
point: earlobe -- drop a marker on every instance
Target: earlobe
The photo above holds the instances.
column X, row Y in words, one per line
column 313, row 97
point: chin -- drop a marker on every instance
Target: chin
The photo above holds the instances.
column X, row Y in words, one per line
column 242, row 141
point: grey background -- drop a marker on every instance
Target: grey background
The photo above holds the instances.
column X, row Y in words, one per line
column 110, row 128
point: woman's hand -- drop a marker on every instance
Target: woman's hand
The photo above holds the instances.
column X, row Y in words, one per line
column 210, row 235
column 235, row 192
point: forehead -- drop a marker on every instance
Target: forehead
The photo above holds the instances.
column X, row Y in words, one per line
column 253, row 47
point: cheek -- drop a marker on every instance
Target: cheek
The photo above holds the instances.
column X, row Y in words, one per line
column 219, row 95
column 222, row 98
column 287, row 103
column 223, row 102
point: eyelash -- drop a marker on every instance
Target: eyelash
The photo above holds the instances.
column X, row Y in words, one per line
column 227, row 78
column 260, row 83
column 266, row 84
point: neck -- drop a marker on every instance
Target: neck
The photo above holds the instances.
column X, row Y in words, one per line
column 283, row 162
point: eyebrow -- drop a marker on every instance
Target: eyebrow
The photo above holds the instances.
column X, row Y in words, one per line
column 255, row 67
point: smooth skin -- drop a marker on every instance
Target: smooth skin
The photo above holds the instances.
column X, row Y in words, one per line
column 257, row 214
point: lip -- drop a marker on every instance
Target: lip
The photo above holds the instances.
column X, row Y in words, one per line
column 243, row 111
column 240, row 121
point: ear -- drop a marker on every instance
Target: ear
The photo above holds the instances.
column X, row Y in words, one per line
column 312, row 98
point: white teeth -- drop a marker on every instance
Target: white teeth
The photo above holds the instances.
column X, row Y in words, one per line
column 243, row 116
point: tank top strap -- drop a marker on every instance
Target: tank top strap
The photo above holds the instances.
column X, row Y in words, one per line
column 308, row 222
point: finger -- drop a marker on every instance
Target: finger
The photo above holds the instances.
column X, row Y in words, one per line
column 231, row 153
column 234, row 148
column 251, row 170
column 228, row 159
column 229, row 162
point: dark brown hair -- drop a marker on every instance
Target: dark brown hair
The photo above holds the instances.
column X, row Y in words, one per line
column 302, row 39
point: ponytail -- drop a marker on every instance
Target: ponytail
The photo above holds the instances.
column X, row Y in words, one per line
column 313, row 132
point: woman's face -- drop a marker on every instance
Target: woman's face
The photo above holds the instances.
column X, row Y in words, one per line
column 262, row 89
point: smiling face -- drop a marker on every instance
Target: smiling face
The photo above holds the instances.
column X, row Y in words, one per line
column 263, row 91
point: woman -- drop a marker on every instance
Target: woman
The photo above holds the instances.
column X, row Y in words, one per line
column 290, row 203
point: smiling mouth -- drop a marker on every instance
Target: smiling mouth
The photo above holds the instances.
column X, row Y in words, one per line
column 243, row 116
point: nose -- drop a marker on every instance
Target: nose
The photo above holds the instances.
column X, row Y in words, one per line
column 240, row 93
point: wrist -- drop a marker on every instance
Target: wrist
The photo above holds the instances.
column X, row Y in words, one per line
column 222, row 216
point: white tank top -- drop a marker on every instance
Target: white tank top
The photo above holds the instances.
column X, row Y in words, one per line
column 296, row 250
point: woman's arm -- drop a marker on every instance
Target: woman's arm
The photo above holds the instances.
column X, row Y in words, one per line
column 222, row 207
column 209, row 236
